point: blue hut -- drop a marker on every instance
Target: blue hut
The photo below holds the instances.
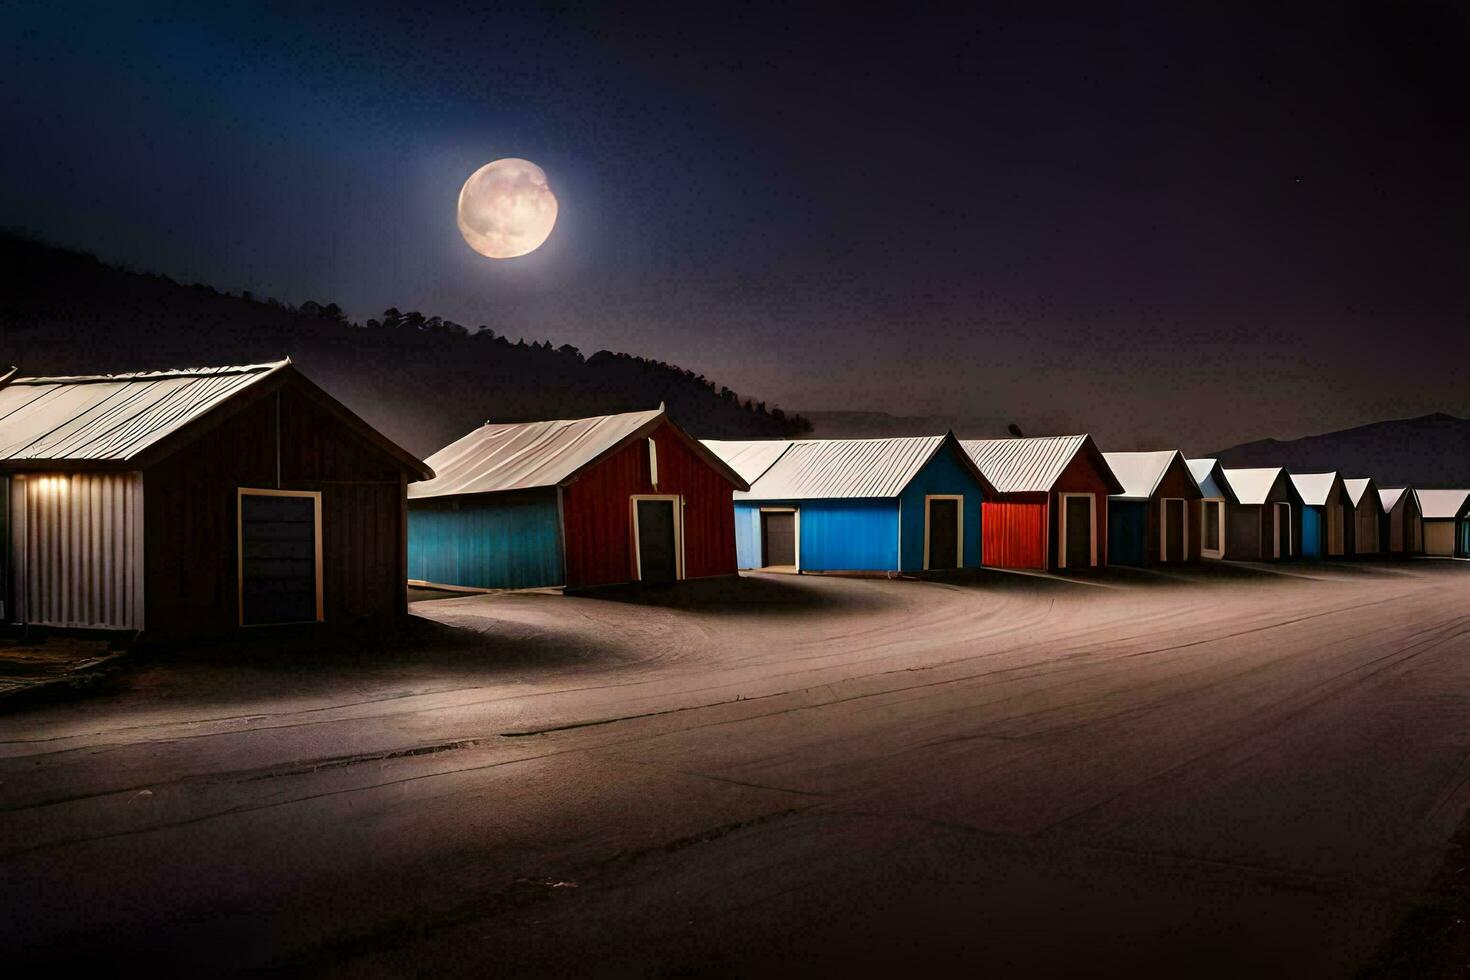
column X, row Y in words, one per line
column 880, row 505
column 1327, row 515
column 1149, row 522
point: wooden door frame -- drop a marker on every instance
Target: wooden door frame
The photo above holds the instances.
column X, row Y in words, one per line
column 1276, row 530
column 1207, row 552
column 240, row 494
column 1062, row 496
column 676, row 501
column 795, row 532
column 959, row 526
column 1164, row 528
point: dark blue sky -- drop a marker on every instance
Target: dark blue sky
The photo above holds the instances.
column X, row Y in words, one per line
column 1166, row 226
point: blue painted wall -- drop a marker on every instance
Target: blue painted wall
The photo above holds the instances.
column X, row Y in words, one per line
column 487, row 542
column 942, row 474
column 1465, row 538
column 836, row 535
column 1127, row 531
column 1311, row 532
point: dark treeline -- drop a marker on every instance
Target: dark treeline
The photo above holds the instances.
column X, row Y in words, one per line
column 422, row 380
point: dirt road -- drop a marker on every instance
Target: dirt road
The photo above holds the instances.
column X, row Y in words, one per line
column 1236, row 770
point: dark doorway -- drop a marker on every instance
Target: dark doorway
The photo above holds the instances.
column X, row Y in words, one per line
column 278, row 559
column 778, row 538
column 1283, row 531
column 1174, row 535
column 944, row 533
column 1079, row 531
column 658, row 559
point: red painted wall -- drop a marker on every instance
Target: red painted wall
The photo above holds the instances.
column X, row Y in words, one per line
column 1081, row 476
column 598, row 519
column 1013, row 531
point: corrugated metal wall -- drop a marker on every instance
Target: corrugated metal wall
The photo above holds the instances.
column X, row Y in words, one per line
column 77, row 541
column 943, row 474
column 748, row 535
column 849, row 535
column 497, row 541
column 1015, row 533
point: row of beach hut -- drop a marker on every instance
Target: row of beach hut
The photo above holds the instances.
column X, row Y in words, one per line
column 199, row 501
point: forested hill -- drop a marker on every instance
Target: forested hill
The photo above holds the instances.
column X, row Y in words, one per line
column 421, row 380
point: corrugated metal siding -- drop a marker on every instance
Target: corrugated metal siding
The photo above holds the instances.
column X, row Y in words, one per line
column 1014, row 533
column 1023, row 465
column 748, row 535
column 111, row 417
column 597, row 512
column 502, row 541
column 944, row 474
column 849, row 535
column 78, row 549
column 852, row 468
column 1311, row 532
column 1128, row 530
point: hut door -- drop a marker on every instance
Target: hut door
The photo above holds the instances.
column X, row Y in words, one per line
column 1282, row 531
column 778, row 538
column 1174, row 530
column 1078, row 517
column 280, row 557
column 658, row 539
column 942, row 549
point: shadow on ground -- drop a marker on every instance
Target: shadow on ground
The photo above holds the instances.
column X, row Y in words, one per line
column 752, row 593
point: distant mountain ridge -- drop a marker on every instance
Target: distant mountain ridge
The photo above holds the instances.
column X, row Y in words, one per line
column 1428, row 451
column 421, row 380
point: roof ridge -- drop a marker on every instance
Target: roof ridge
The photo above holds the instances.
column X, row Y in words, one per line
column 216, row 371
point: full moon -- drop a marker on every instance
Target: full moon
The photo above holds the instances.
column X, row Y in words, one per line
column 506, row 209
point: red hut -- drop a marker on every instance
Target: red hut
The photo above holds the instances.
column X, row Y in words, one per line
column 1050, row 509
column 579, row 502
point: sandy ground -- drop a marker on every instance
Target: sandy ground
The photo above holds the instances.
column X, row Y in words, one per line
column 1235, row 771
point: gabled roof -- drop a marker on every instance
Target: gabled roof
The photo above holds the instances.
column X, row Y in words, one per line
column 138, row 417
column 1314, row 488
column 1441, row 504
column 748, row 457
column 1141, row 473
column 529, row 455
column 1356, row 487
column 815, row 469
column 1210, row 478
column 1033, row 465
column 1253, row 484
column 1388, row 497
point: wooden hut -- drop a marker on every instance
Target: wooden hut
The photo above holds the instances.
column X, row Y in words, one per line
column 1149, row 522
column 1049, row 510
column 1441, row 511
column 1400, row 528
column 191, row 502
column 576, row 502
column 1328, row 525
column 879, row 505
column 1367, row 511
column 1265, row 523
column 1215, row 501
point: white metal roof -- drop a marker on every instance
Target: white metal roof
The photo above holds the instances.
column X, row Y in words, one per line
column 1440, row 504
column 527, row 455
column 1388, row 497
column 1252, row 485
column 1314, row 487
column 112, row 417
column 1140, row 473
column 1024, row 465
column 748, row 457
column 825, row 468
column 1356, row 487
column 1203, row 471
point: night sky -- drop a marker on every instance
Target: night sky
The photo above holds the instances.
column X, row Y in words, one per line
column 1169, row 227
